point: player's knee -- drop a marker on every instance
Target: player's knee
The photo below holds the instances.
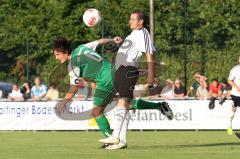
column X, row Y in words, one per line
column 124, row 102
column 97, row 111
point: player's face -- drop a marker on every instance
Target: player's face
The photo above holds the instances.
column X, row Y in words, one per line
column 135, row 23
column 60, row 56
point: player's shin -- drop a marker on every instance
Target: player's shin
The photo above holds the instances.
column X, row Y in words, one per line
column 104, row 126
column 121, row 113
column 123, row 132
column 231, row 119
column 142, row 104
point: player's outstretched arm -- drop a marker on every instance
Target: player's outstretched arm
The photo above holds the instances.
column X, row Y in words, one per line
column 71, row 92
column 104, row 41
column 117, row 40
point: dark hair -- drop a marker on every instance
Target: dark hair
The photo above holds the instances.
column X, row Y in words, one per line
column 53, row 85
column 215, row 79
column 140, row 15
column 63, row 45
column 224, row 81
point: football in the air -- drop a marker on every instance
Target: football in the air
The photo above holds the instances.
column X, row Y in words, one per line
column 91, row 17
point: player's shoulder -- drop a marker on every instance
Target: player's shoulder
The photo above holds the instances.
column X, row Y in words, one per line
column 142, row 31
column 78, row 50
column 236, row 68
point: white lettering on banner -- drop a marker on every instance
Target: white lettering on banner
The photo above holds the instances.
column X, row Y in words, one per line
column 188, row 114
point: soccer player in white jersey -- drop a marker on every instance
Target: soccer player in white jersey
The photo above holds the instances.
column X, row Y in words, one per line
column 234, row 81
column 126, row 76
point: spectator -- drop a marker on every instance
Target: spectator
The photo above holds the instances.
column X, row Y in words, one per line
column 213, row 92
column 202, row 92
column 196, row 84
column 140, row 90
column 26, row 90
column 39, row 90
column 179, row 90
column 52, row 93
column 1, row 93
column 93, row 88
column 224, row 91
column 168, row 90
column 15, row 95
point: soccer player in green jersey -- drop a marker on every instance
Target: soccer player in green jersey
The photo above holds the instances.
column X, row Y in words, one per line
column 85, row 63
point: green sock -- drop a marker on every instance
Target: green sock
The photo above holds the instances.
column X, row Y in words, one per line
column 141, row 104
column 103, row 125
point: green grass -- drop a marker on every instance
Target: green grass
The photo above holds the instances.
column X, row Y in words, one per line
column 150, row 144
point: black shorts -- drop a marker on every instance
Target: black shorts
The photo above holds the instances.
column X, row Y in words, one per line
column 125, row 80
column 236, row 101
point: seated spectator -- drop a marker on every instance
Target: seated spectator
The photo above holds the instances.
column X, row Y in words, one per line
column 1, row 93
column 179, row 90
column 39, row 90
column 224, row 91
column 140, row 90
column 52, row 93
column 26, row 90
column 202, row 92
column 196, row 84
column 82, row 92
column 93, row 88
column 15, row 95
column 168, row 90
column 213, row 92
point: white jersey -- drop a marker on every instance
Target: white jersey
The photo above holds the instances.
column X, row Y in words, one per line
column 235, row 77
column 74, row 72
column 134, row 45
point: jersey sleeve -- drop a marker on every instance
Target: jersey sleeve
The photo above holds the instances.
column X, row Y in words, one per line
column 146, row 43
column 232, row 75
column 74, row 73
column 93, row 45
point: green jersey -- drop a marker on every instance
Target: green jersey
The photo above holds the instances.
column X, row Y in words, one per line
column 87, row 64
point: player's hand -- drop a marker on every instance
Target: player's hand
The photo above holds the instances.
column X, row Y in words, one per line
column 60, row 106
column 238, row 89
column 117, row 40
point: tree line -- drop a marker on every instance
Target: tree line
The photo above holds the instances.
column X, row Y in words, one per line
column 207, row 30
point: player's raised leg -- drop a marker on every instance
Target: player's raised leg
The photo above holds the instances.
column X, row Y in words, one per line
column 161, row 106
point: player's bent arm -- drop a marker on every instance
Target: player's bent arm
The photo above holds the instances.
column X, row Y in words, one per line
column 104, row 41
column 71, row 92
column 151, row 68
column 234, row 85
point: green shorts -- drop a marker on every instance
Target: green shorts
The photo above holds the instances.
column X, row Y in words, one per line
column 105, row 90
column 103, row 95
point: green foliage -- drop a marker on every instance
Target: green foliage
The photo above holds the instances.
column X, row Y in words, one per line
column 212, row 34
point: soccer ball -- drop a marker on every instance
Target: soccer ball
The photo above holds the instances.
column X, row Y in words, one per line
column 91, row 17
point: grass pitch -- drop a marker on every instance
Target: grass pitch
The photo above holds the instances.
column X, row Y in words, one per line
column 145, row 145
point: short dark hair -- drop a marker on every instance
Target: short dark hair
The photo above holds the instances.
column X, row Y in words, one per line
column 215, row 79
column 224, row 81
column 62, row 44
column 140, row 15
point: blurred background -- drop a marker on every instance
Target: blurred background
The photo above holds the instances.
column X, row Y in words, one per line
column 189, row 35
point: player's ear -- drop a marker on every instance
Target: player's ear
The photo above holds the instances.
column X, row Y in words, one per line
column 141, row 21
